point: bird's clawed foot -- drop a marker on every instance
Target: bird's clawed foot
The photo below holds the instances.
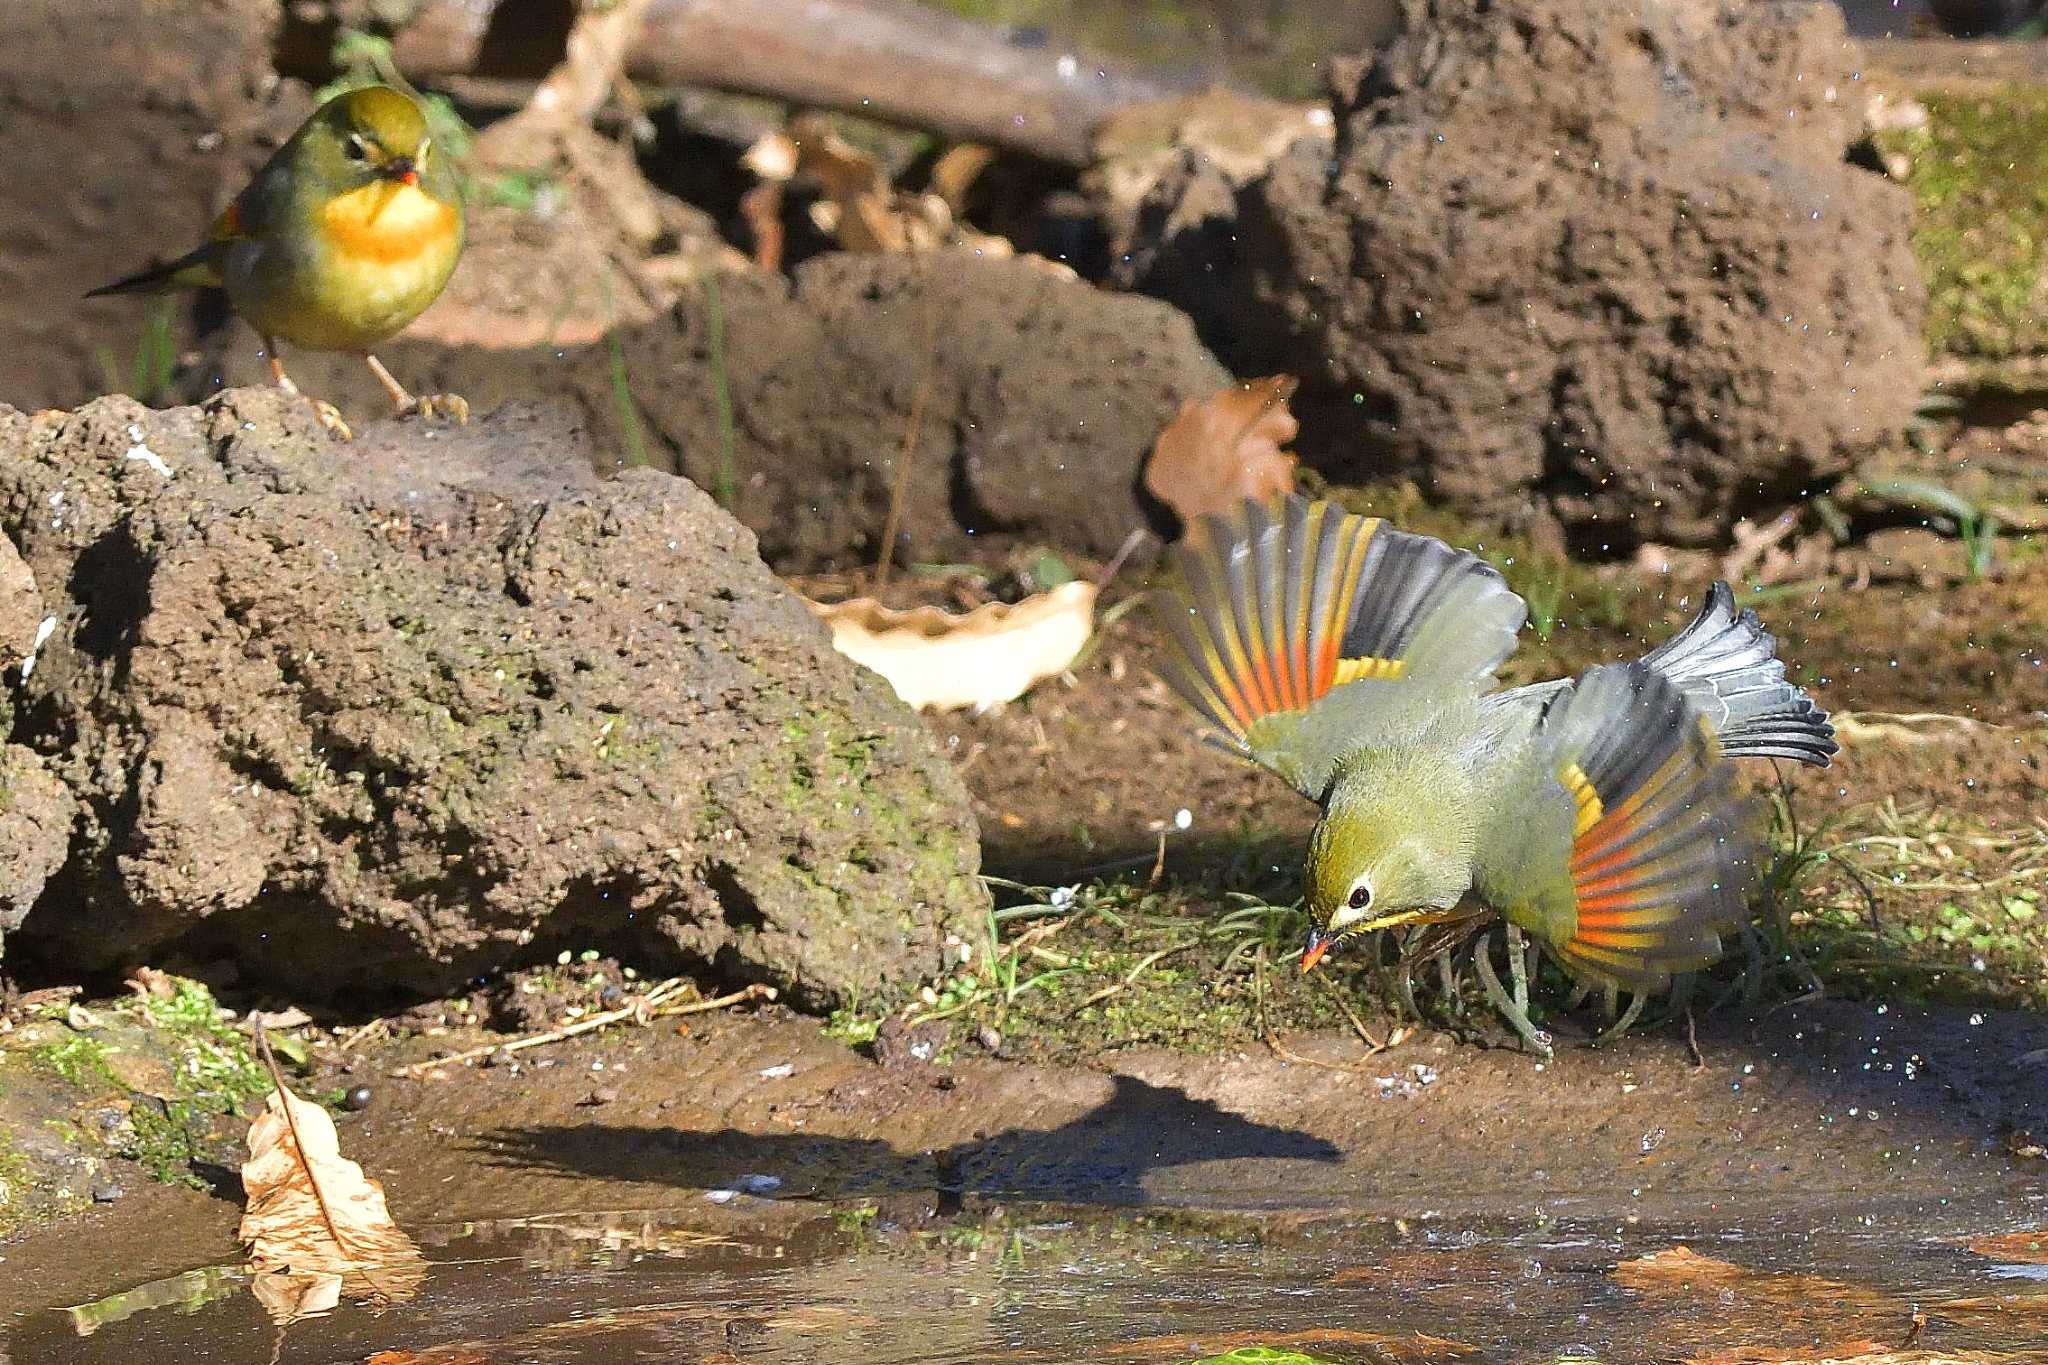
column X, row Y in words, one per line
column 452, row 406
column 329, row 416
column 435, row 406
column 324, row 412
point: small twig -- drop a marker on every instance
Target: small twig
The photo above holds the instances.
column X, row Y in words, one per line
column 373, row 1029
column 1373, row 1046
column 1272, row 1041
column 892, row 523
column 648, row 1007
column 1137, row 537
column 1692, row 1043
column 1131, row 976
column 1158, row 864
column 1751, row 543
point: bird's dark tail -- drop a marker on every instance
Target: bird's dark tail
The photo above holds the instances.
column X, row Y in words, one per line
column 1726, row 663
column 194, row 270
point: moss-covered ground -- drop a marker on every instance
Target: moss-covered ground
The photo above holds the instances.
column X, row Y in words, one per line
column 1979, row 179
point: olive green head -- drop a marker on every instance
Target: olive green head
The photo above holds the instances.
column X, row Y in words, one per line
column 366, row 135
column 1379, row 861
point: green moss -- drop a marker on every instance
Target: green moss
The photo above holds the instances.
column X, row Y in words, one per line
column 16, row 1180
column 1979, row 178
column 216, row 1065
column 80, row 1060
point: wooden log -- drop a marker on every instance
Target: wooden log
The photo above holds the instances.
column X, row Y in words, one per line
column 888, row 59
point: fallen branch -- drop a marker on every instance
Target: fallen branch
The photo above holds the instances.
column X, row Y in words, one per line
column 887, row 59
column 643, row 1010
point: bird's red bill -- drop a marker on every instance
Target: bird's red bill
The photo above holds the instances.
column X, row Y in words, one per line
column 1315, row 954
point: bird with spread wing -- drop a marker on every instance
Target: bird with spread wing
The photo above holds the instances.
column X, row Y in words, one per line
column 1596, row 813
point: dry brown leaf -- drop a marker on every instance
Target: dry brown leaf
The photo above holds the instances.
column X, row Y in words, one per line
column 761, row 207
column 2028, row 1247
column 955, row 172
column 289, row 1296
column 1828, row 1320
column 1220, row 450
column 2012, row 1307
column 992, row 654
column 315, row 1223
column 861, row 209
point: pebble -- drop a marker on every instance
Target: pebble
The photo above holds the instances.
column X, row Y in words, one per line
column 357, row 1099
column 107, row 1193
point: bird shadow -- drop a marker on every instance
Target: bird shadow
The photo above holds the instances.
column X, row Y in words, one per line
column 1101, row 1156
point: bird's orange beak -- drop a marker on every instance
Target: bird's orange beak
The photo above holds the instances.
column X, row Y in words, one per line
column 1318, row 944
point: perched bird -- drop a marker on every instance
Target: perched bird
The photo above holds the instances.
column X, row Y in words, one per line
column 346, row 235
column 1596, row 813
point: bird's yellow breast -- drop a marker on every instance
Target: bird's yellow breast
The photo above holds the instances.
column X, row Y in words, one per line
column 388, row 223
column 374, row 259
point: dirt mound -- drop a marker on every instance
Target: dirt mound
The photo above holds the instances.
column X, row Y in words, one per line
column 1604, row 252
column 1036, row 400
column 372, row 719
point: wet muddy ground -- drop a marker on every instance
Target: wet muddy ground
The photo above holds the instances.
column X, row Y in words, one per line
column 800, row 1202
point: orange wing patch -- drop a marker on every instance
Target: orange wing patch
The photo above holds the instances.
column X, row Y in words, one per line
column 1640, row 875
column 228, row 227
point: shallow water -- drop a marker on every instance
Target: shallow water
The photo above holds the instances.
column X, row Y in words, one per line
column 758, row 1281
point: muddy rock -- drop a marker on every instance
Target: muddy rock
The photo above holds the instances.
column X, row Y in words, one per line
column 368, row 720
column 1607, row 253
column 1036, row 398
column 35, row 832
column 21, row 606
column 191, row 105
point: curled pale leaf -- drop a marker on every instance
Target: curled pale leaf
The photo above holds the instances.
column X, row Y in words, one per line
column 1220, row 450
column 313, row 1216
column 935, row 659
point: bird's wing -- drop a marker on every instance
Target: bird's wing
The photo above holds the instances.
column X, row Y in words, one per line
column 1289, row 625
column 1663, row 851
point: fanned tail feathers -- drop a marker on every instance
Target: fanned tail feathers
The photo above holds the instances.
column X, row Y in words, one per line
column 1665, row 854
column 1274, row 607
column 1728, row 666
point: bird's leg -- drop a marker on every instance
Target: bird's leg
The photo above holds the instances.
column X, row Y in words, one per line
column 1581, row 992
column 1628, row 1018
column 1518, row 965
column 426, row 405
column 328, row 415
column 1448, row 977
column 1404, row 982
column 1610, row 999
column 1517, row 1016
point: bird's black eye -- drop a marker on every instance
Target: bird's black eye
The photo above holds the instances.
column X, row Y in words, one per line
column 1361, row 896
column 355, row 148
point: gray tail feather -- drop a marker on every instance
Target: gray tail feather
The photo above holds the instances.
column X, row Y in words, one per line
column 1727, row 665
